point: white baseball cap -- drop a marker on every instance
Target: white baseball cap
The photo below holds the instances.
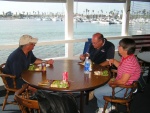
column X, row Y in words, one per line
column 26, row 39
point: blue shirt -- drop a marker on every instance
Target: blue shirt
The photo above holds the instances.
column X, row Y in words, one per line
column 100, row 55
column 17, row 62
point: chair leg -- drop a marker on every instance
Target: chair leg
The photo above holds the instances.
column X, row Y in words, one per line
column 24, row 110
column 21, row 108
column 116, row 106
column 5, row 100
column 144, row 80
column 87, row 97
column 127, row 105
column 105, row 106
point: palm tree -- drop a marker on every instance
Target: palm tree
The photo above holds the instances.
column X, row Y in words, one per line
column 86, row 10
column 33, row 12
column 102, row 13
column 3, row 13
column 98, row 14
column 93, row 14
column 38, row 12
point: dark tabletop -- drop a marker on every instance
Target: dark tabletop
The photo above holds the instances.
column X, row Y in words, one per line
column 145, row 56
column 77, row 79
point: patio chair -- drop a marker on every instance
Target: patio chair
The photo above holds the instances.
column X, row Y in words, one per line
column 141, row 81
column 126, row 98
column 8, row 89
column 87, row 45
column 26, row 105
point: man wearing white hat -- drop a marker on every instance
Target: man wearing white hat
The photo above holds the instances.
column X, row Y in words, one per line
column 20, row 59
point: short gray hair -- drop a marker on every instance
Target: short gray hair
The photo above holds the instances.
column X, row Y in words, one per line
column 128, row 44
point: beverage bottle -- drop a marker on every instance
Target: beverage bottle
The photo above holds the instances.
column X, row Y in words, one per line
column 65, row 76
column 87, row 66
column 91, row 64
column 43, row 66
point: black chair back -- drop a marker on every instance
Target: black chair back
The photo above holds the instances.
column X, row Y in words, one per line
column 144, row 49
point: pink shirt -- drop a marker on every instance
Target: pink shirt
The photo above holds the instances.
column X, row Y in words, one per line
column 129, row 65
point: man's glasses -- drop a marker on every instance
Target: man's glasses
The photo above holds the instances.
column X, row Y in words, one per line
column 32, row 43
column 95, row 43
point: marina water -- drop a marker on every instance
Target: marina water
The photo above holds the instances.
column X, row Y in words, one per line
column 12, row 30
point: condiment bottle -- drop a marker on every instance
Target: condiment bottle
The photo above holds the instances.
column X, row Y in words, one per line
column 43, row 66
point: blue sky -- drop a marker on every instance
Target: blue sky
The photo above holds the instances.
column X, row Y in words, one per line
column 79, row 7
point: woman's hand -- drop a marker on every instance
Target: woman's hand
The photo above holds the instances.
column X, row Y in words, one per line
column 111, row 61
column 111, row 81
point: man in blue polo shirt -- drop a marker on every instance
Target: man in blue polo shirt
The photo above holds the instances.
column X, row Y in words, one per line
column 100, row 50
column 20, row 59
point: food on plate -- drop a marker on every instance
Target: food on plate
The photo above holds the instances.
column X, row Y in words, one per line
column 102, row 73
column 31, row 67
column 97, row 72
column 59, row 84
column 34, row 68
column 38, row 69
column 43, row 83
column 105, row 73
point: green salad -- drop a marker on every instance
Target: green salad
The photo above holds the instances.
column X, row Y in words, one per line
column 59, row 84
column 31, row 67
column 105, row 73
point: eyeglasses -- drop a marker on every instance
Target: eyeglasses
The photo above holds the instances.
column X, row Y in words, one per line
column 95, row 43
column 32, row 43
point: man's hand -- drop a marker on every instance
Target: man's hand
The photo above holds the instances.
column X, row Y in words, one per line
column 51, row 61
column 82, row 57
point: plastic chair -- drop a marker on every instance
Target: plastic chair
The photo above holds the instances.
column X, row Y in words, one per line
column 8, row 89
column 26, row 105
column 87, row 45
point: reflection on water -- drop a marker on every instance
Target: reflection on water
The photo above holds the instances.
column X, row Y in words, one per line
column 12, row 30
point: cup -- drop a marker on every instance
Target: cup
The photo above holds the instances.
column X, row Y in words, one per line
column 65, row 76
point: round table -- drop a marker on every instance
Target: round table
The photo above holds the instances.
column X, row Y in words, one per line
column 145, row 56
column 77, row 79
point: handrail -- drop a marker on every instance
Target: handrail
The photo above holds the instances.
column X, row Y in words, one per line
column 10, row 46
column 55, row 42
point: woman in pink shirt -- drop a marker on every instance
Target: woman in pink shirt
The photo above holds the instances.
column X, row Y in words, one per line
column 128, row 71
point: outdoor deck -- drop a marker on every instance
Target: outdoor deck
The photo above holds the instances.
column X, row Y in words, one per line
column 140, row 104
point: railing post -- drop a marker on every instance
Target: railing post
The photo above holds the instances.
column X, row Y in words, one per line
column 125, row 18
column 69, row 28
